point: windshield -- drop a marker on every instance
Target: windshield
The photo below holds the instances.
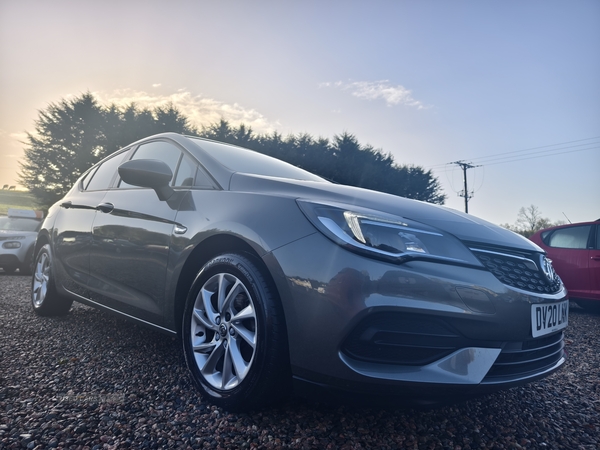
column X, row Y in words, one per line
column 243, row 160
column 18, row 224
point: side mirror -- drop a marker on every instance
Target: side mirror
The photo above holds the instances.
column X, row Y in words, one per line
column 148, row 173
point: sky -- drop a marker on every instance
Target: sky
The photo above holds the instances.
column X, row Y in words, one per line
column 512, row 87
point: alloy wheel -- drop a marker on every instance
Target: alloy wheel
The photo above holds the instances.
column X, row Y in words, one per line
column 41, row 278
column 224, row 331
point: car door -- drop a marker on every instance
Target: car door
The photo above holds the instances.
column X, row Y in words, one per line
column 131, row 240
column 72, row 234
column 570, row 251
column 594, row 262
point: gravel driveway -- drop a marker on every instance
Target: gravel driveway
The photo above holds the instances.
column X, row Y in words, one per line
column 93, row 381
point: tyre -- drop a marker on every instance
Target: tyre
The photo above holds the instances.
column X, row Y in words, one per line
column 45, row 299
column 234, row 336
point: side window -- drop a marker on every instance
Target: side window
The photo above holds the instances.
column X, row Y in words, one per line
column 571, row 237
column 87, row 178
column 597, row 237
column 160, row 150
column 203, row 180
column 104, row 175
column 186, row 173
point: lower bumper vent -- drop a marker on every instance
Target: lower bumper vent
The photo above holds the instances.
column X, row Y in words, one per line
column 522, row 359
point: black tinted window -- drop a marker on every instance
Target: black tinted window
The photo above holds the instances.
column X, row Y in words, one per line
column 105, row 173
column 572, row 237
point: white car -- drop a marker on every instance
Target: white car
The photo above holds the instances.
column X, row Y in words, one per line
column 18, row 231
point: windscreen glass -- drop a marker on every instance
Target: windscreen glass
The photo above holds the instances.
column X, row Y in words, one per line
column 19, row 224
column 242, row 160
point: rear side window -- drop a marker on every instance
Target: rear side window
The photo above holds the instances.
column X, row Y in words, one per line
column 572, row 237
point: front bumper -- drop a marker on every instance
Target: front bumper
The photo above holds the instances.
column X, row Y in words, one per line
column 14, row 257
column 360, row 324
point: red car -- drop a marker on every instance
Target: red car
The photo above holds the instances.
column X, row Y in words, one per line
column 575, row 253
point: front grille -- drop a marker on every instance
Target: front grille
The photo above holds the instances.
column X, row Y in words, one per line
column 390, row 338
column 522, row 359
column 518, row 271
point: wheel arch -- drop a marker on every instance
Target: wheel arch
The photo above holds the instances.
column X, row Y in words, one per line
column 42, row 239
column 205, row 251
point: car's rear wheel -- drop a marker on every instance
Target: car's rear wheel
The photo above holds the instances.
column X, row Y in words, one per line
column 234, row 335
column 45, row 299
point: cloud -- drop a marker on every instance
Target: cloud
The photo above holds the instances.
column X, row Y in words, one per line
column 375, row 90
column 12, row 142
column 155, row 85
column 18, row 136
column 198, row 109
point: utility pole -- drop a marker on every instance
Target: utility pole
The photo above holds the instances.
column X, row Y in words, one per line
column 465, row 193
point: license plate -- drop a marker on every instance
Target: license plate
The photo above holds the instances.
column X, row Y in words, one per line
column 549, row 317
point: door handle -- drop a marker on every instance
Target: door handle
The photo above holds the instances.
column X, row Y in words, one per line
column 66, row 205
column 105, row 207
column 596, row 257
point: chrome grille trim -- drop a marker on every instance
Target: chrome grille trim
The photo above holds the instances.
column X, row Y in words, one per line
column 517, row 271
column 508, row 255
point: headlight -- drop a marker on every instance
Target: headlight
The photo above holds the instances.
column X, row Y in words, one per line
column 385, row 236
column 11, row 245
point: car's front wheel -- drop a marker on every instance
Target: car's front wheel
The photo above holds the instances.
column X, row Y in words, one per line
column 234, row 335
column 46, row 301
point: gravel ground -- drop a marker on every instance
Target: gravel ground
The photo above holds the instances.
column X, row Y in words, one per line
column 93, row 381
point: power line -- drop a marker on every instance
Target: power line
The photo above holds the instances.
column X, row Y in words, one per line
column 525, row 157
column 517, row 155
column 539, row 156
column 541, row 147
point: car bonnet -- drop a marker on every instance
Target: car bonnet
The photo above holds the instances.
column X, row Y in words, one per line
column 465, row 227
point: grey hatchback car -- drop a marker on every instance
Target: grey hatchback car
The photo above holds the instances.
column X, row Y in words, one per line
column 274, row 277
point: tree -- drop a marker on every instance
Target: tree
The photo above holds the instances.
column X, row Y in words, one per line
column 220, row 131
column 529, row 221
column 72, row 135
column 69, row 137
